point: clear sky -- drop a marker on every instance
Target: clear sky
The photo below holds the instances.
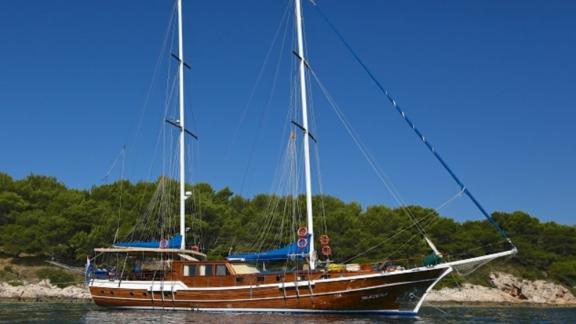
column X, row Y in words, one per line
column 490, row 83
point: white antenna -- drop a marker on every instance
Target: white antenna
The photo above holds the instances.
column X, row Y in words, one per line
column 182, row 134
column 309, row 218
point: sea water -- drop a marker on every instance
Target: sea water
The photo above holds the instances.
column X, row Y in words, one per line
column 20, row 312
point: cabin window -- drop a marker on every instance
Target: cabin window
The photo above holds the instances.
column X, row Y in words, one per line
column 221, row 270
column 209, row 269
column 239, row 279
column 201, row 270
column 279, row 278
column 189, row 270
column 260, row 279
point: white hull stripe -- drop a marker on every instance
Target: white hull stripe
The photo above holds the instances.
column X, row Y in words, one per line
column 269, row 298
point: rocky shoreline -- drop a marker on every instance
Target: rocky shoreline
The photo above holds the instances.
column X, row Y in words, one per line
column 507, row 290
column 44, row 291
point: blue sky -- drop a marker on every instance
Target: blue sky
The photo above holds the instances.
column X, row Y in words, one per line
column 490, row 83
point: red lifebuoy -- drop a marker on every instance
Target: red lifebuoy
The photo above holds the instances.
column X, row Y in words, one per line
column 195, row 248
column 324, row 239
column 302, row 231
column 326, row 250
column 302, row 243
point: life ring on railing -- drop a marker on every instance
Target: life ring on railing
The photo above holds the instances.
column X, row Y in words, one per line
column 302, row 243
column 324, row 239
column 163, row 243
column 326, row 250
column 302, row 231
column 195, row 248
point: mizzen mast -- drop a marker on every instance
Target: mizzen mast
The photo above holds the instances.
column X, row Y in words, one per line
column 303, row 97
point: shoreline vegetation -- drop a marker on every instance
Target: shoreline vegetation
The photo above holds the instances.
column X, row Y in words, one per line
column 41, row 219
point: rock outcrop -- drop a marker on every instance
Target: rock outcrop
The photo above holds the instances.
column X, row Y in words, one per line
column 507, row 289
column 469, row 293
column 539, row 291
column 43, row 290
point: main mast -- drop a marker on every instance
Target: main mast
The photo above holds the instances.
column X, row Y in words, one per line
column 182, row 125
column 303, row 97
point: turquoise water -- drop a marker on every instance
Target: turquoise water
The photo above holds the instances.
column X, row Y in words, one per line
column 16, row 312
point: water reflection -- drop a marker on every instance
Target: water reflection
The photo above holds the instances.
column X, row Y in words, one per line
column 127, row 316
column 18, row 312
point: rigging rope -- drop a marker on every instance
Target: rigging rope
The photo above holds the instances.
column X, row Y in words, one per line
column 280, row 27
column 416, row 223
column 155, row 221
column 411, row 125
column 161, row 54
column 313, row 125
column 121, row 154
column 119, row 216
column 266, row 109
column 384, row 178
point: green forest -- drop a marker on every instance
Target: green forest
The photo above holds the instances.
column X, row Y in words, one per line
column 41, row 217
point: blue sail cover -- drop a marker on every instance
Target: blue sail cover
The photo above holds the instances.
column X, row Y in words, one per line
column 173, row 243
column 291, row 251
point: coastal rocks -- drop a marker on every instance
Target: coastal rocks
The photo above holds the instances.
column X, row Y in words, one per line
column 42, row 290
column 469, row 293
column 508, row 289
column 539, row 291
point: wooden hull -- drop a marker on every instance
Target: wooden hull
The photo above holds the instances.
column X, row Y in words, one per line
column 398, row 293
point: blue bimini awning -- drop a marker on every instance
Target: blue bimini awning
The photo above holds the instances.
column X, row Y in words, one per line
column 289, row 252
column 173, row 243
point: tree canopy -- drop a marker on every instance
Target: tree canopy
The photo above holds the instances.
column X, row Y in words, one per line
column 42, row 217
